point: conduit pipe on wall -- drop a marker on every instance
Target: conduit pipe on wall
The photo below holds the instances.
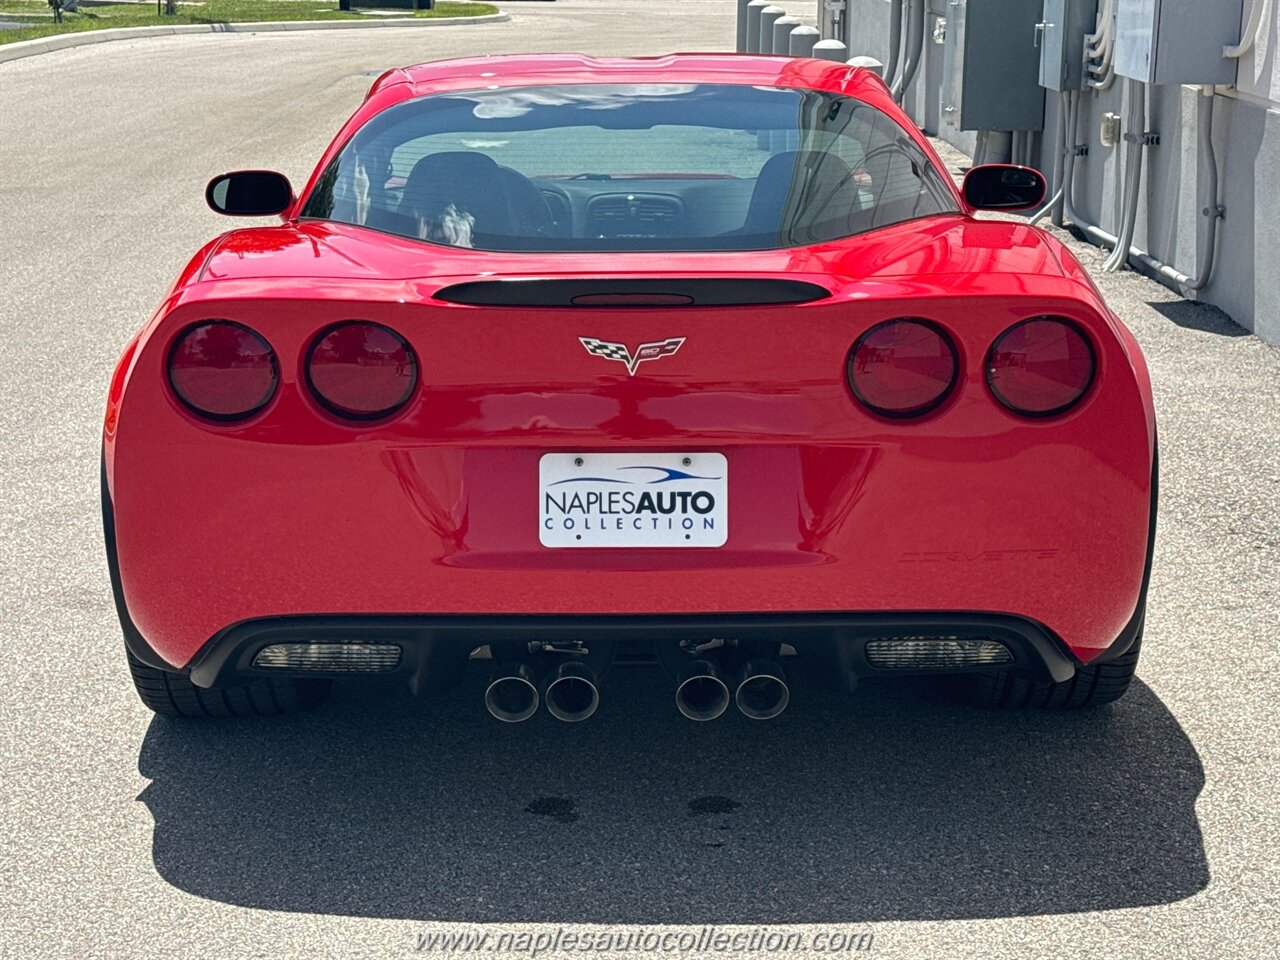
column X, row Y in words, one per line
column 915, row 46
column 1066, row 142
column 1028, row 148
column 1100, row 46
column 895, row 42
column 999, row 147
column 1092, row 231
column 1098, row 43
column 1252, row 30
column 980, row 147
column 1135, row 149
column 1209, row 207
column 1212, row 209
column 992, row 146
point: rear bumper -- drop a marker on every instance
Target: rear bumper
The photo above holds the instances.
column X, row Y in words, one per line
column 868, row 529
column 434, row 649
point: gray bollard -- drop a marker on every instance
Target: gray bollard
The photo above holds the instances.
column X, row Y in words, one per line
column 782, row 28
column 768, row 17
column 753, row 24
column 831, row 50
column 775, row 140
column 870, row 63
column 742, row 26
column 802, row 41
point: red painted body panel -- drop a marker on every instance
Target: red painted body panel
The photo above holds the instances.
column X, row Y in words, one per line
column 953, row 246
column 435, row 511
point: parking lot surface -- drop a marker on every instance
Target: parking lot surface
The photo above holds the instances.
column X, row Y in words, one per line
column 1146, row 829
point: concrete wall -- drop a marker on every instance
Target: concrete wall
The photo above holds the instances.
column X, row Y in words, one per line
column 1246, row 279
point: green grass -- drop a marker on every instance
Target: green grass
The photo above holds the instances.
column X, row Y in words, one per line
column 39, row 14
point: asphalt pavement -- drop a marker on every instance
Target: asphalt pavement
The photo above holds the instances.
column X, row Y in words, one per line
column 1145, row 829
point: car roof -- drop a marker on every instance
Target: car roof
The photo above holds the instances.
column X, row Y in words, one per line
column 513, row 70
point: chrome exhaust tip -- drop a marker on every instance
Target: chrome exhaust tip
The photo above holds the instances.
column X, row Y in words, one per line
column 762, row 692
column 571, row 692
column 701, row 694
column 512, row 694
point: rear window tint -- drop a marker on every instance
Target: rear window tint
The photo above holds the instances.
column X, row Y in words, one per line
column 630, row 167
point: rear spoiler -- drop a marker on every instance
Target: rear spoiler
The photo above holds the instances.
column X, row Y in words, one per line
column 624, row 292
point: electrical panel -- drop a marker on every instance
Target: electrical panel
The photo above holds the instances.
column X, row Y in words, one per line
column 1061, row 35
column 991, row 66
column 1176, row 41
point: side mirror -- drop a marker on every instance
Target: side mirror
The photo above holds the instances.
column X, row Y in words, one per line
column 249, row 193
column 1003, row 186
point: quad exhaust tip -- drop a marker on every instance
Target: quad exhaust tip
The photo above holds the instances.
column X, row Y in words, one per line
column 571, row 692
column 762, row 692
column 512, row 694
column 702, row 694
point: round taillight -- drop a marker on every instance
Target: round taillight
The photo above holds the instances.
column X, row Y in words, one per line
column 361, row 370
column 902, row 368
column 1040, row 366
column 223, row 370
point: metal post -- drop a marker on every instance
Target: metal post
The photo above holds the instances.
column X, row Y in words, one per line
column 802, row 41
column 870, row 63
column 753, row 24
column 742, row 26
column 780, row 46
column 831, row 50
column 768, row 17
column 782, row 28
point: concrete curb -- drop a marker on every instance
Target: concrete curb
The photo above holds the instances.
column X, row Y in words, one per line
column 31, row 48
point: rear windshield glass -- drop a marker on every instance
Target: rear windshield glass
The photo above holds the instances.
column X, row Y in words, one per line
column 629, row 167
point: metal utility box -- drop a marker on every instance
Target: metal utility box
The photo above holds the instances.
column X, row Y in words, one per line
column 1062, row 32
column 991, row 67
column 1176, row 41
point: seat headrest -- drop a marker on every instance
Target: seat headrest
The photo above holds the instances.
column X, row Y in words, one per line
column 797, row 190
column 469, row 182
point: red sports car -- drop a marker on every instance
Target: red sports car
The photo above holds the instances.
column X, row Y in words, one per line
column 557, row 362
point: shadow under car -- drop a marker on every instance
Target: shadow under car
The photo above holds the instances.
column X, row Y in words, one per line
column 887, row 804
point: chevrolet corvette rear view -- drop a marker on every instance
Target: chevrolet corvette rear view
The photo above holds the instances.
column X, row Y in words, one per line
column 560, row 363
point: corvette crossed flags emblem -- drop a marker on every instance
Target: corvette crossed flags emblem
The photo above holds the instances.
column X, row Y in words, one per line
column 620, row 352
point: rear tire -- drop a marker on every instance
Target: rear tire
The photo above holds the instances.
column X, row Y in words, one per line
column 174, row 695
column 1090, row 687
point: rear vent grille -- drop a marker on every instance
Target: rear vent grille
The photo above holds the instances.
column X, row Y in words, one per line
column 936, row 653
column 329, row 657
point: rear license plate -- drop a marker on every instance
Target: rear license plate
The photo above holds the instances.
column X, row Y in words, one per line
column 633, row 500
